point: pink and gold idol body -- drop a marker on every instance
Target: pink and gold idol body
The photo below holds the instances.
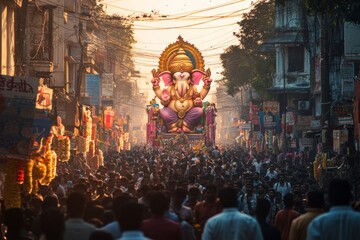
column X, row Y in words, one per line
column 181, row 100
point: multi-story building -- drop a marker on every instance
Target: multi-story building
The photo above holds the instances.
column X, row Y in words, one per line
column 228, row 116
column 303, row 83
column 8, row 34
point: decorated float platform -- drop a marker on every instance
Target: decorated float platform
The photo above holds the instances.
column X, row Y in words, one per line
column 186, row 117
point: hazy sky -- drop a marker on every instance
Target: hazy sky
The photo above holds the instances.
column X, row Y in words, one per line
column 208, row 24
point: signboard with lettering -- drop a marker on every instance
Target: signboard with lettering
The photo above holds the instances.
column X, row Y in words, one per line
column 17, row 106
column 290, row 120
column 107, row 85
column 269, row 121
column 93, row 88
column 339, row 138
column 343, row 109
column 306, row 143
column 271, row 106
column 347, row 70
column 303, row 122
column 315, row 124
column 345, row 121
column 245, row 126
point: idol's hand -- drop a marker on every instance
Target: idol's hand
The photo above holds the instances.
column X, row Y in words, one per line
column 207, row 81
column 165, row 95
column 155, row 82
column 198, row 102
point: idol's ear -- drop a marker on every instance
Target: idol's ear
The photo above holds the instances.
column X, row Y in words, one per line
column 166, row 77
column 196, row 76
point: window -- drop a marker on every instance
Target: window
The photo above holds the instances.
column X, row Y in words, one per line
column 295, row 59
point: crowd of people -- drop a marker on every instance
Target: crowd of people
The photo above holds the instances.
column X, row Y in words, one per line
column 178, row 193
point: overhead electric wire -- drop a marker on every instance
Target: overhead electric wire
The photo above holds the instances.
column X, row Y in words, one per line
column 181, row 15
column 150, row 55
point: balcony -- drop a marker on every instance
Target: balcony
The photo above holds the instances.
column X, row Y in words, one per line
column 294, row 81
column 43, row 66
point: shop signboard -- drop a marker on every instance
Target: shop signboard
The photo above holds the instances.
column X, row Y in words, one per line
column 107, row 85
column 303, row 123
column 315, row 124
column 245, row 126
column 336, row 141
column 93, row 88
column 306, row 143
column 340, row 137
column 347, row 70
column 345, row 121
column 271, row 106
column 267, row 120
column 17, row 109
column 290, row 119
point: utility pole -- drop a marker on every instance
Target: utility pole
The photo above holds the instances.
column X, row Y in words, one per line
column 325, row 84
column 81, row 65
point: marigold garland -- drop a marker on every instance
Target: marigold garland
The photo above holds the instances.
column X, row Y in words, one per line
column 12, row 194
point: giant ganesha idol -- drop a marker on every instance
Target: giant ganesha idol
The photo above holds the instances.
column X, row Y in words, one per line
column 181, row 67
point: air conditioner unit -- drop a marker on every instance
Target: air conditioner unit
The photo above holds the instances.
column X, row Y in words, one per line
column 303, row 105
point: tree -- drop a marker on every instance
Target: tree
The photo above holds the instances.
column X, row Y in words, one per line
column 244, row 64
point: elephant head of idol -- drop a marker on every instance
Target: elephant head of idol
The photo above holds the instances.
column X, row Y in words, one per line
column 181, row 67
column 181, row 73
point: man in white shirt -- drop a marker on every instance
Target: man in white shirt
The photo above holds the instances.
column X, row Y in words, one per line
column 271, row 173
column 341, row 222
column 230, row 223
column 130, row 220
column 75, row 226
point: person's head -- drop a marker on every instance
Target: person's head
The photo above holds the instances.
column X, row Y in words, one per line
column 256, row 176
column 315, row 199
column 52, row 223
column 50, row 201
column 289, row 200
column 131, row 216
column 159, row 202
column 281, row 178
column 93, row 212
column 101, row 235
column 271, row 168
column 260, row 189
column 262, row 208
column 75, row 204
column 144, row 190
column 14, row 219
column 272, row 193
column 228, row 197
column 36, row 203
column 192, row 179
column 339, row 192
column 249, row 188
column 210, row 193
column 80, row 187
column 194, row 193
column 179, row 195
